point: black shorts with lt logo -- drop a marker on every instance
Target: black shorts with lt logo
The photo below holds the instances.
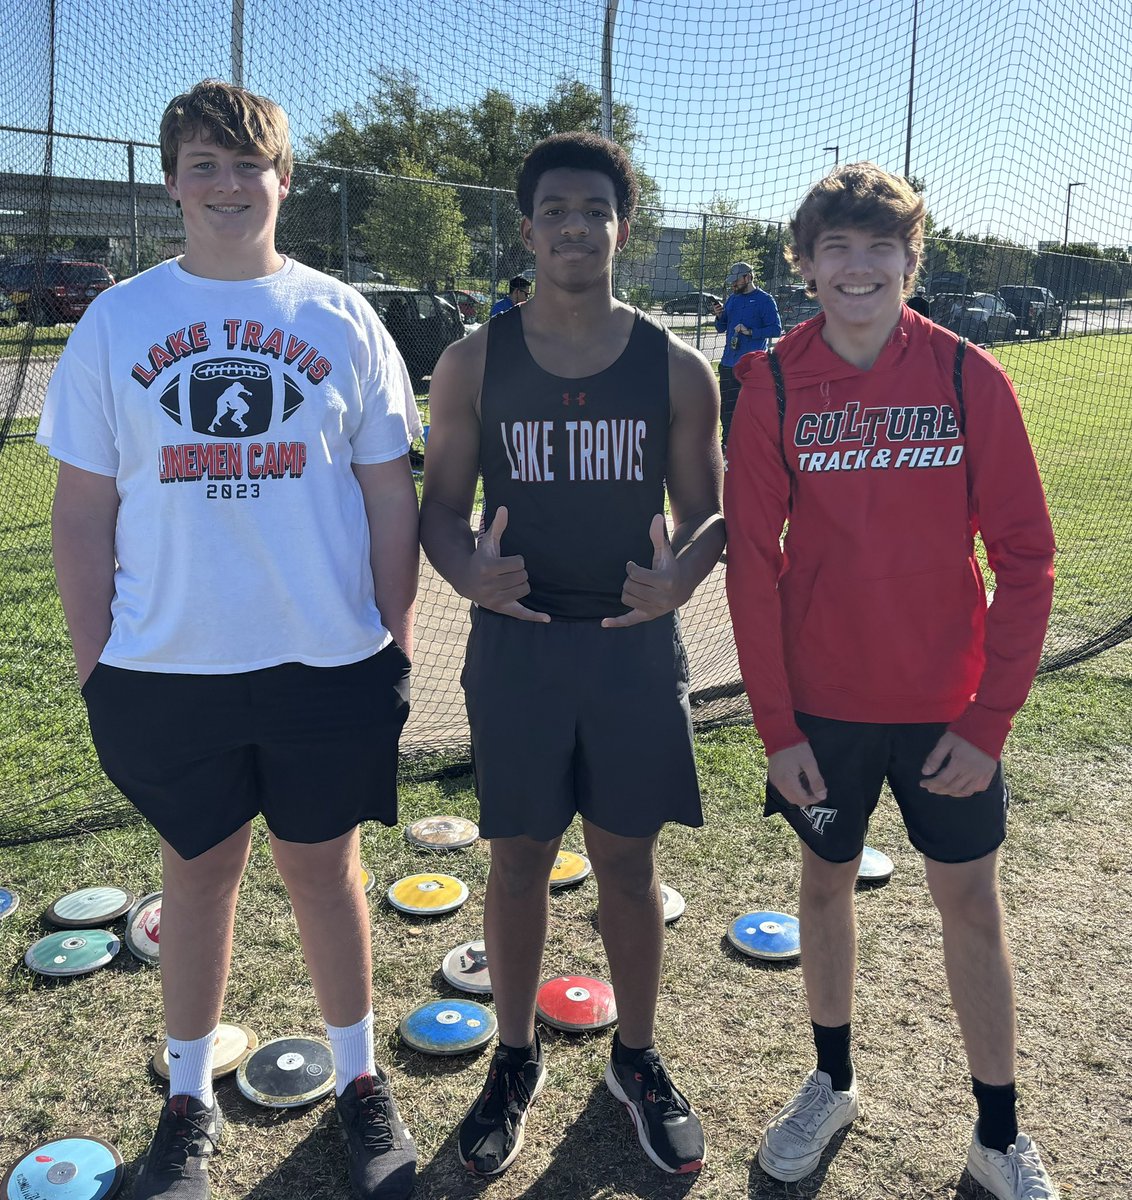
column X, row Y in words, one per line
column 856, row 759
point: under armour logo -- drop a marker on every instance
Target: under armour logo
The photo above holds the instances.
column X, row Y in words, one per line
column 579, row 400
column 819, row 817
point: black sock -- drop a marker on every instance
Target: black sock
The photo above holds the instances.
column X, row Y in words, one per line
column 521, row 1054
column 832, row 1044
column 997, row 1127
column 624, row 1054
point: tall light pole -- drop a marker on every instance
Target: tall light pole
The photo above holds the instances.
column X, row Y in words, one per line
column 607, row 68
column 836, row 153
column 237, row 42
column 911, row 90
column 1068, row 198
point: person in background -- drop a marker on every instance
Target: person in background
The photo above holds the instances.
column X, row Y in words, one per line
column 519, row 291
column 748, row 317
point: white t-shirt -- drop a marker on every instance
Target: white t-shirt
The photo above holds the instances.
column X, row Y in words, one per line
column 230, row 414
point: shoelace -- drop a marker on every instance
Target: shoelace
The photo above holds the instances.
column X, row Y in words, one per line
column 808, row 1109
column 178, row 1137
column 509, row 1094
column 1027, row 1170
column 373, row 1121
column 659, row 1090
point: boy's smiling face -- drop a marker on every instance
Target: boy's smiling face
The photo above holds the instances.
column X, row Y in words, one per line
column 859, row 275
column 229, row 197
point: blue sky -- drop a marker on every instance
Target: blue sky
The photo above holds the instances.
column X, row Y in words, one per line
column 1014, row 98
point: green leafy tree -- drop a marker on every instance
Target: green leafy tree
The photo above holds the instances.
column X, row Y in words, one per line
column 414, row 231
column 726, row 238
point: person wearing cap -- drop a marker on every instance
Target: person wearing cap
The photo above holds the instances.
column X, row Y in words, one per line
column 519, row 290
column 749, row 316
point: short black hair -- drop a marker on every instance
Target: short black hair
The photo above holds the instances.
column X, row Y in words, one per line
column 519, row 281
column 579, row 151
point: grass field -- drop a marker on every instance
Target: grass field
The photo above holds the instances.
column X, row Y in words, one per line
column 74, row 1055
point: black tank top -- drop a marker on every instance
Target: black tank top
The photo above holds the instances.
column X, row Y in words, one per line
column 578, row 463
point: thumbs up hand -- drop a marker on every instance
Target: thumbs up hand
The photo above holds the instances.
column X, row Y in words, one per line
column 650, row 593
column 496, row 581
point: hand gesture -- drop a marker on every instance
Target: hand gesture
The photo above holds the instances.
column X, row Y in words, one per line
column 742, row 329
column 650, row 594
column 956, row 768
column 496, row 582
column 794, row 772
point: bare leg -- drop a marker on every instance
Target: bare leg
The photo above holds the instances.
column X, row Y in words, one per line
column 325, row 884
column 198, row 911
column 515, row 915
column 631, row 919
column 828, row 927
column 978, row 963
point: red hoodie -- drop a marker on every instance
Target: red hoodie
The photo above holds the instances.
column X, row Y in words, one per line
column 872, row 608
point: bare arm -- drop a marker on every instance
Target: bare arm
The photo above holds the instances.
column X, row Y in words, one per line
column 695, row 496
column 390, row 498
column 83, row 520
column 479, row 573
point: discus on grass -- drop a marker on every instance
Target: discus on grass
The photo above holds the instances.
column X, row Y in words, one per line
column 231, row 1045
column 448, row 1027
column 772, row 936
column 72, row 1167
column 442, row 833
column 368, row 880
column 576, row 1003
column 143, row 929
column 9, row 902
column 465, row 967
column 72, row 952
column 287, row 1072
column 673, row 903
column 569, row 868
column 875, row 868
column 89, row 907
column 427, row 895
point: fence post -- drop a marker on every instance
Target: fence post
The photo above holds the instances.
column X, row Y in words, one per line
column 703, row 268
column 344, row 219
column 494, row 244
column 131, row 175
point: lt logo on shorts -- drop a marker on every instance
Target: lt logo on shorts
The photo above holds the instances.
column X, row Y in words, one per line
column 819, row 817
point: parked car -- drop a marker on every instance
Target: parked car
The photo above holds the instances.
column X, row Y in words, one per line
column 1038, row 310
column 9, row 314
column 54, row 291
column 701, row 303
column 980, row 317
column 796, row 307
column 472, row 306
column 422, row 325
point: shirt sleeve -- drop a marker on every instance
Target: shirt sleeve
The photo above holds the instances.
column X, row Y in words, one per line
column 78, row 424
column 768, row 323
column 390, row 419
column 722, row 318
column 756, row 496
column 1009, row 511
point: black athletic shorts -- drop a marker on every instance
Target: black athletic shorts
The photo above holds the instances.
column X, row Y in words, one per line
column 855, row 759
column 568, row 717
column 312, row 748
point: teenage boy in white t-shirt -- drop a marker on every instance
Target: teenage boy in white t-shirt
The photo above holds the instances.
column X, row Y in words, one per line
column 235, row 538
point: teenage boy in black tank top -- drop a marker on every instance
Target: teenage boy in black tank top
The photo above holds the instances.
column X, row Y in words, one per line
column 577, row 409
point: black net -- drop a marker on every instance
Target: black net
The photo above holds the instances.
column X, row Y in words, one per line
column 409, row 123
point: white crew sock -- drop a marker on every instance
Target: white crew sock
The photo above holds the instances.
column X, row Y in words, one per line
column 190, row 1067
column 352, row 1047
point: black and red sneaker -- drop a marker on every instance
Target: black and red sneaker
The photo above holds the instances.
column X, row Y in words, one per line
column 176, row 1164
column 491, row 1135
column 667, row 1127
column 381, row 1151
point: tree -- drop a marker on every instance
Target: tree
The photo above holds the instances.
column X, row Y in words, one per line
column 722, row 238
column 415, row 231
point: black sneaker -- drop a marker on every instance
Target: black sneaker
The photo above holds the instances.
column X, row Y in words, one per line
column 381, row 1151
column 667, row 1128
column 176, row 1163
column 491, row 1135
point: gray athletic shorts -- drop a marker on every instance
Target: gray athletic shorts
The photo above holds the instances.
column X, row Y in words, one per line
column 568, row 718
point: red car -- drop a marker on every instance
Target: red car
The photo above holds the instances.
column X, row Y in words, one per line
column 470, row 304
column 55, row 291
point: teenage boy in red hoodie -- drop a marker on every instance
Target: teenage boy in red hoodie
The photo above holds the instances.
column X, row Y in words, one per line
column 866, row 643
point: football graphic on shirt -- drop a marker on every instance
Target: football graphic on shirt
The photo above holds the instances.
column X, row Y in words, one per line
column 229, row 398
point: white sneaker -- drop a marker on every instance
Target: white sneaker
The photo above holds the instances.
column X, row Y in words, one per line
column 1019, row 1174
column 793, row 1142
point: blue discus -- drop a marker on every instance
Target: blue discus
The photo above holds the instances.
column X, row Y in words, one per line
column 9, row 902
column 875, row 867
column 768, row 935
column 448, row 1027
column 65, row 1168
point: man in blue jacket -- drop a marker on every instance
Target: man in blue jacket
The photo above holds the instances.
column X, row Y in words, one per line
column 749, row 316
